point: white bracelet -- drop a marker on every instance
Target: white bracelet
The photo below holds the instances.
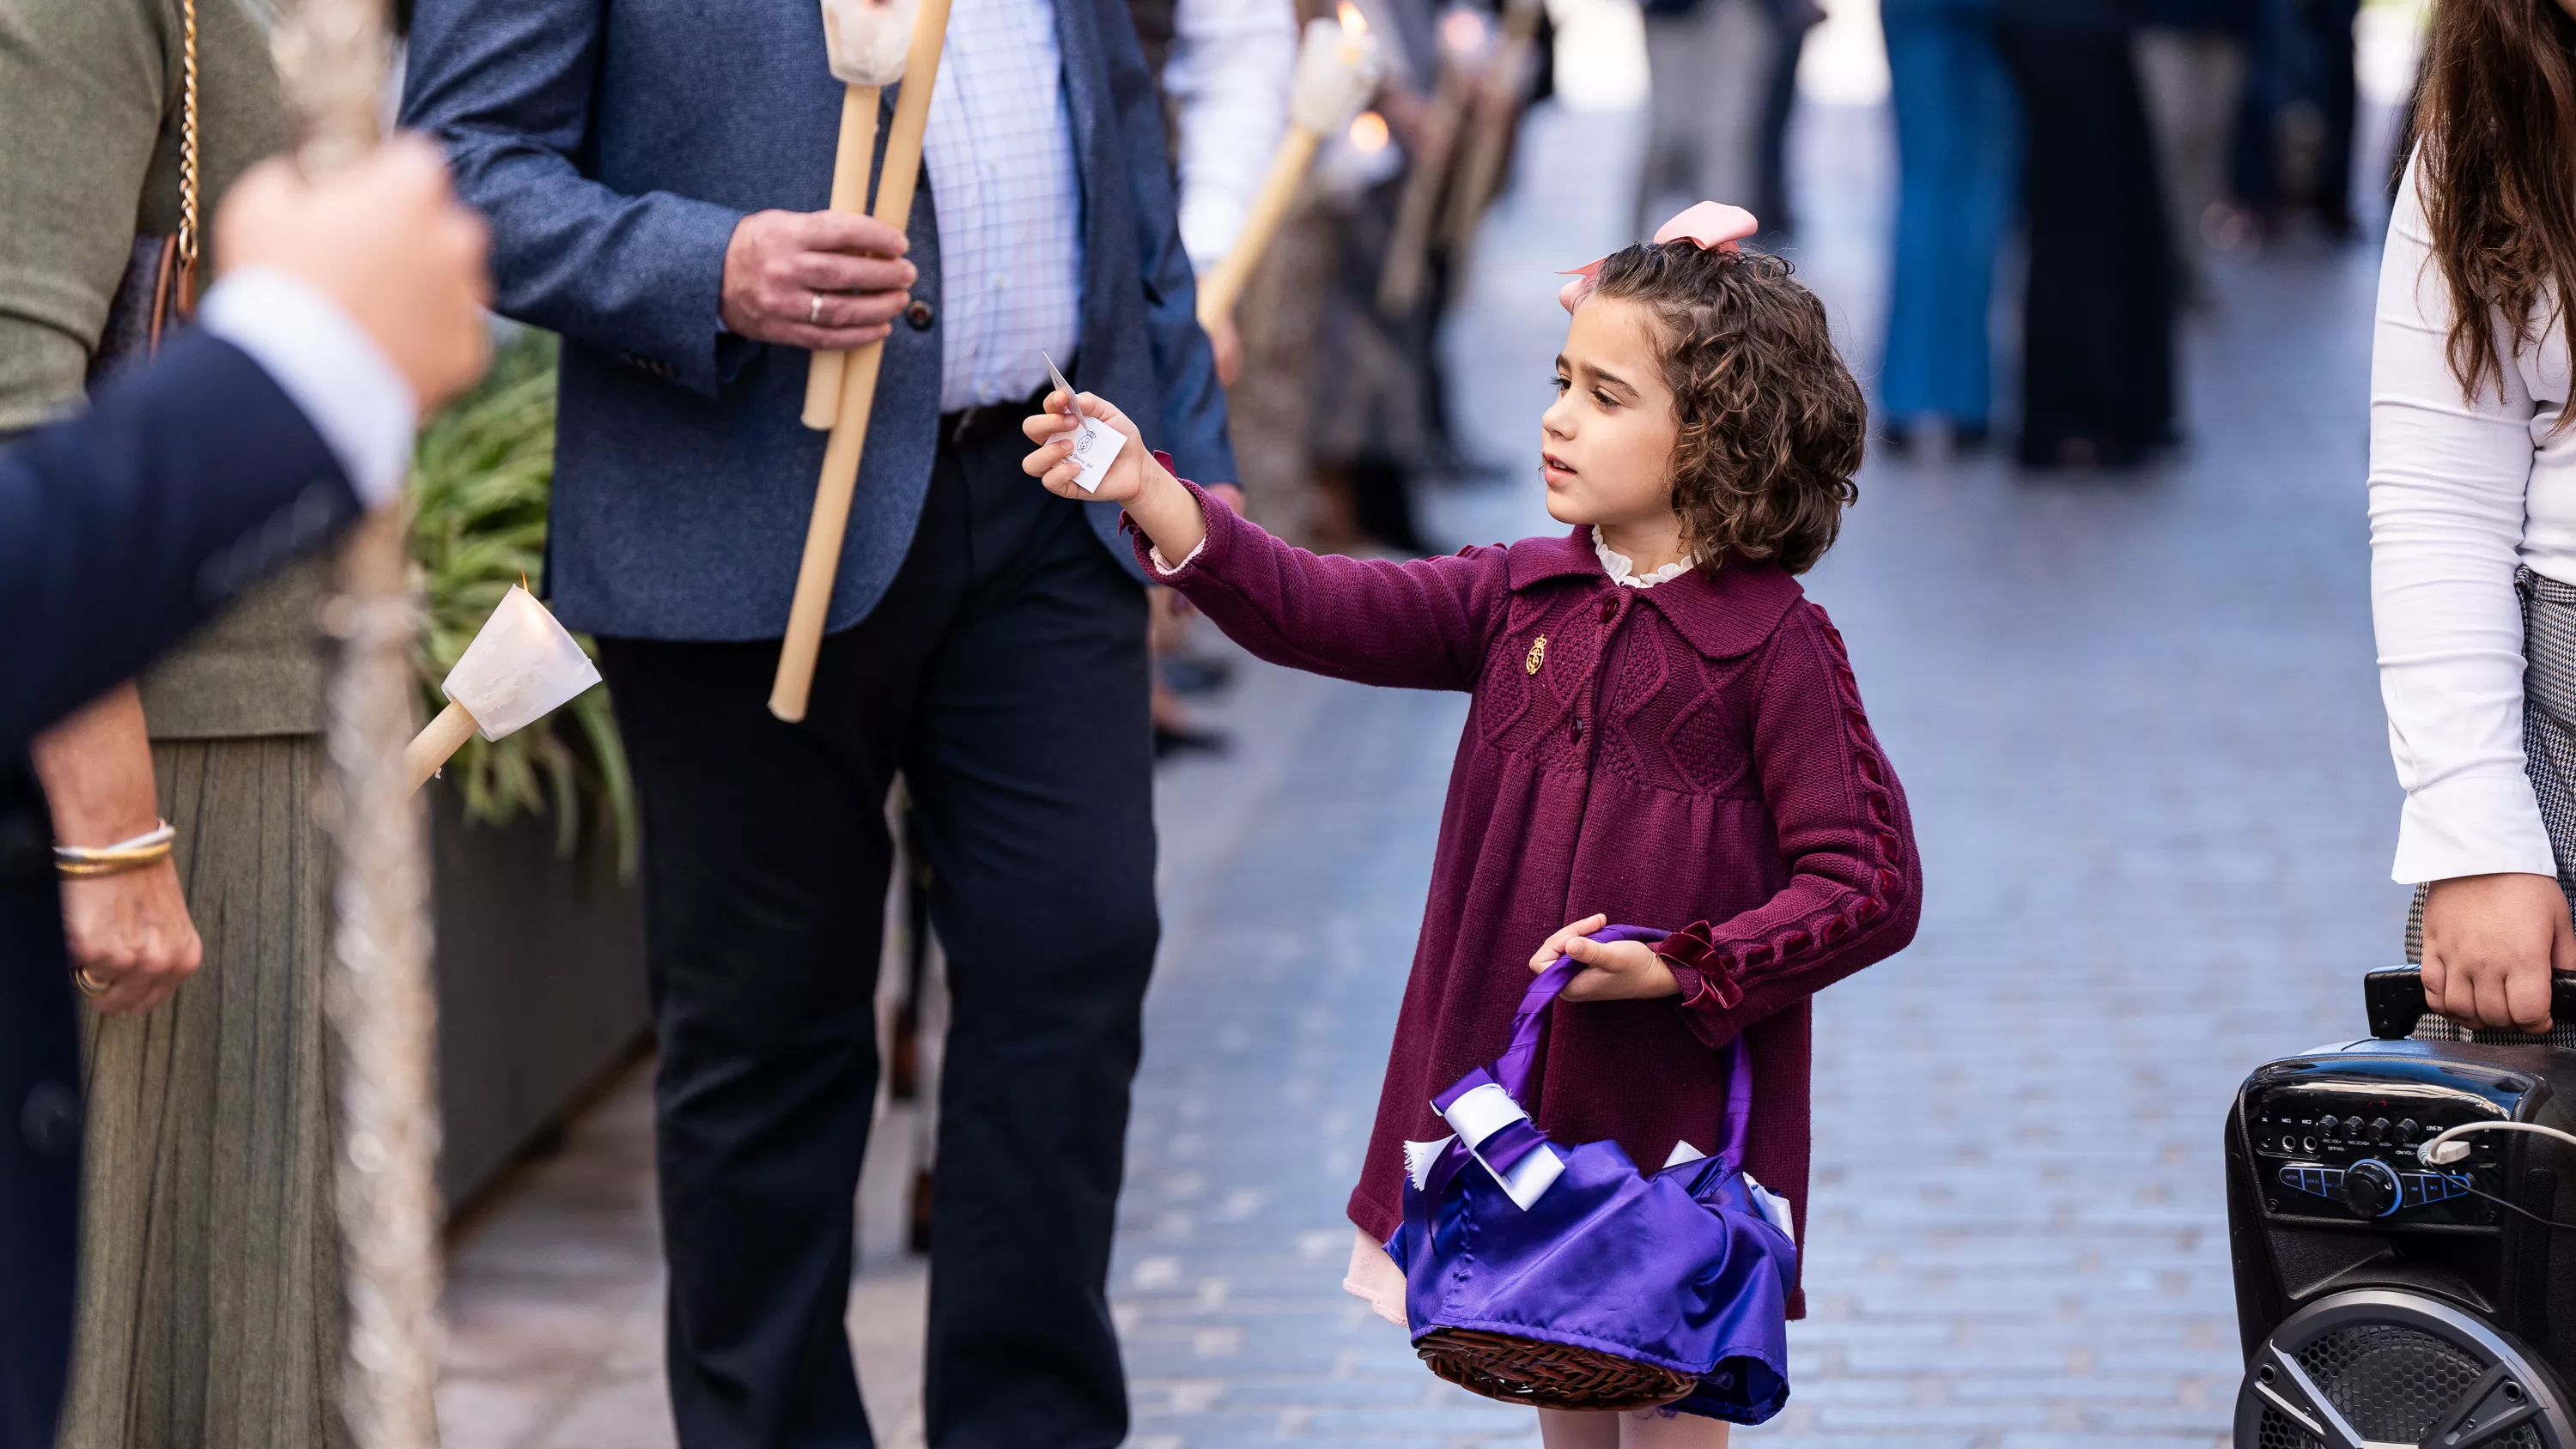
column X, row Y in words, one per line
column 149, row 848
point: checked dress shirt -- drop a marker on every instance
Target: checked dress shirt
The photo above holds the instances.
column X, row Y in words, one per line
column 1000, row 155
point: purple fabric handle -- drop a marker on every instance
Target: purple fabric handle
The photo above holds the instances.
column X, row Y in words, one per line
column 1739, row 1105
column 1512, row 1068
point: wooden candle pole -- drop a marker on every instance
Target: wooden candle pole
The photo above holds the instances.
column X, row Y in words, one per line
column 1400, row 281
column 850, row 194
column 1224, row 282
column 840, row 475
column 436, row 742
column 1498, row 112
column 1338, row 65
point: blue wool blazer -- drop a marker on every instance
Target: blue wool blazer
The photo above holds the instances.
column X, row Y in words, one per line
column 613, row 147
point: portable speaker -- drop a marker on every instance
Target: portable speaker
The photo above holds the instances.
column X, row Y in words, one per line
column 2385, row 1300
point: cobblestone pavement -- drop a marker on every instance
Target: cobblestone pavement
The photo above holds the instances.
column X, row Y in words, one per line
column 2139, row 725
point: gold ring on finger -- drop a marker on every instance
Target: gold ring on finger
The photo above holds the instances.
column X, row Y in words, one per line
column 814, row 309
column 89, row 985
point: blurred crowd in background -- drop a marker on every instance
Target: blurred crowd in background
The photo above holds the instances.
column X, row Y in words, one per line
column 2067, row 169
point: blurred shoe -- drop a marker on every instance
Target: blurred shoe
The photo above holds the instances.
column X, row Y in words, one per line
column 1933, row 436
column 1171, row 740
column 2082, row 453
column 1194, row 677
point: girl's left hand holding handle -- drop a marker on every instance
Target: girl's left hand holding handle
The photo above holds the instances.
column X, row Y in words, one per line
column 1154, row 498
column 1618, row 971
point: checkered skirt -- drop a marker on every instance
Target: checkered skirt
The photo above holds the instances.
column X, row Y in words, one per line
column 2549, row 757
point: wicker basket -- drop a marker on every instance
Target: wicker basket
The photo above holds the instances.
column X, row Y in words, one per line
column 1548, row 1375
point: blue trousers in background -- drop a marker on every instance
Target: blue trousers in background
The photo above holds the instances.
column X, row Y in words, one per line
column 1957, row 168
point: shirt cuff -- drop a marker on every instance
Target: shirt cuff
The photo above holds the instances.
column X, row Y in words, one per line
column 2472, row 825
column 1155, row 556
column 335, row 373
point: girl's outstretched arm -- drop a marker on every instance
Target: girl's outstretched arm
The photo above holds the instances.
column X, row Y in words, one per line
column 1414, row 625
column 1855, row 885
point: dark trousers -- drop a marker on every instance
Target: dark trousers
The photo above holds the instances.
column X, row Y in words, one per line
column 1005, row 675
column 2097, row 352
column 40, row 1121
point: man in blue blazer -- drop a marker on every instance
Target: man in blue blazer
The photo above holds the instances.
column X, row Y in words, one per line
column 652, row 170
column 343, row 311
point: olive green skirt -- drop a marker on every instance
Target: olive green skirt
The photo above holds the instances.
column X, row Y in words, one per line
column 210, row 1301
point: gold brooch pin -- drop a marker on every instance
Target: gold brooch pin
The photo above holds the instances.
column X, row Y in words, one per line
column 1537, row 654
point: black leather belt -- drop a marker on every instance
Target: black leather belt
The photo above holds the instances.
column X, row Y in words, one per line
column 983, row 423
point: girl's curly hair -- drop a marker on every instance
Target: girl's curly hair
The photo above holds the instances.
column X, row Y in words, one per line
column 1772, row 424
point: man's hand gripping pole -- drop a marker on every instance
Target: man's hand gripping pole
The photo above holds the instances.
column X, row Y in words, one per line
column 858, row 376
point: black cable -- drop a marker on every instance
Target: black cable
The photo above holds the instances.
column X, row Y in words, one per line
column 2476, row 1191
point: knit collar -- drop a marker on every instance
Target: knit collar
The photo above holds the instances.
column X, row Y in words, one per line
column 1722, row 617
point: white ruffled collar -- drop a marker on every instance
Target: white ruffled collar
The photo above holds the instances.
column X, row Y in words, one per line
column 1624, row 573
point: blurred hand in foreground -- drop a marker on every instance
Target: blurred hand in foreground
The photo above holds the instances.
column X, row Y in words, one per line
column 388, row 241
column 2490, row 944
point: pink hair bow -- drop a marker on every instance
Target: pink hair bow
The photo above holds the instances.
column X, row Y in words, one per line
column 1709, row 225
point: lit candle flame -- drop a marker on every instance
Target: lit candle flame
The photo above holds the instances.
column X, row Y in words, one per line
column 1354, row 24
column 1463, row 31
column 1368, row 133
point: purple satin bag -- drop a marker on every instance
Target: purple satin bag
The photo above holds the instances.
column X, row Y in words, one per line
column 1506, row 1232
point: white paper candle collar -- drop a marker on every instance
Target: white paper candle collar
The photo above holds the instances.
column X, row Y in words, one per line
column 866, row 41
column 519, row 669
column 1339, row 65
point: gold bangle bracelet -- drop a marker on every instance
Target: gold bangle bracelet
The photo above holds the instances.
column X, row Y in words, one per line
column 79, row 862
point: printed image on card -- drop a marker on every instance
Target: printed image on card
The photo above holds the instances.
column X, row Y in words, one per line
column 1096, row 446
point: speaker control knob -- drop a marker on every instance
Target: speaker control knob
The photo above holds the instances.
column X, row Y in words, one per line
column 2370, row 1188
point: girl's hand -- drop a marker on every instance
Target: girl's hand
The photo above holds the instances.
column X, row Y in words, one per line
column 1154, row 498
column 1052, row 464
column 1619, row 971
column 2490, row 943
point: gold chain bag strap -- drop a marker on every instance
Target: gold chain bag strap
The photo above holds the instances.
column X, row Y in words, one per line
column 159, row 288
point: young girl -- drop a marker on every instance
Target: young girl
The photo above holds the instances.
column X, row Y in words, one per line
column 1664, row 731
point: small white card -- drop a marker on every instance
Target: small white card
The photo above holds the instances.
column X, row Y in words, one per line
column 1096, row 446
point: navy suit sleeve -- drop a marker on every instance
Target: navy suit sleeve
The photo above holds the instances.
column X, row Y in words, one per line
column 1194, row 422
column 506, row 90
column 187, row 481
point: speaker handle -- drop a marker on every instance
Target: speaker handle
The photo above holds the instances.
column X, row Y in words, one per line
column 2394, row 999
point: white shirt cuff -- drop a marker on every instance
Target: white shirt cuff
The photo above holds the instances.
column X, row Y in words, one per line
column 2472, row 825
column 1168, row 569
column 335, row 373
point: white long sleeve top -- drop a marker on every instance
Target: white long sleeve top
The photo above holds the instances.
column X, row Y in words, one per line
column 1229, row 70
column 2461, row 489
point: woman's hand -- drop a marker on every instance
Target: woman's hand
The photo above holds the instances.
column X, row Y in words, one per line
column 132, row 935
column 2490, row 944
column 1154, row 498
column 1619, row 971
column 130, row 932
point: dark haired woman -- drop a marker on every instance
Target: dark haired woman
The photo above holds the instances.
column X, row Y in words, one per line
column 2473, row 510
column 1665, row 731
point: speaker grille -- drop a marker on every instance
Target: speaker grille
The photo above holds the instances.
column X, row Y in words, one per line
column 2389, row 1382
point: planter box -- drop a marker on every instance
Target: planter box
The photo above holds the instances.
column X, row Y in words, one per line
column 540, row 977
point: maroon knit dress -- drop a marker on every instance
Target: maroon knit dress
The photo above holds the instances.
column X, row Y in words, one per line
column 1691, row 757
